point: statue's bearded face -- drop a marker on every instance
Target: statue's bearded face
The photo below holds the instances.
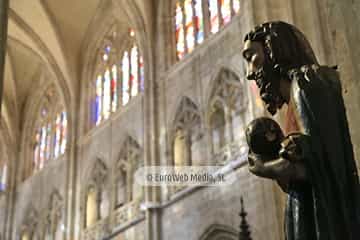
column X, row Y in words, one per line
column 263, row 72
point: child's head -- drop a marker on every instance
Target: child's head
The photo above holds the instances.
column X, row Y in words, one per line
column 264, row 137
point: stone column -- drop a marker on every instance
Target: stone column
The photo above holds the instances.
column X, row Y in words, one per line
column 4, row 5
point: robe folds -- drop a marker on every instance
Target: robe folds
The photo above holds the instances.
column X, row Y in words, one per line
column 326, row 206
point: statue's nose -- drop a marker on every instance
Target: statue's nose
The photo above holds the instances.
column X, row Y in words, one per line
column 250, row 75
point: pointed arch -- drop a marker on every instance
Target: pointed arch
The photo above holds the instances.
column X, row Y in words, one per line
column 54, row 215
column 219, row 232
column 129, row 160
column 46, row 133
column 226, row 101
column 186, row 134
column 94, row 194
column 114, row 72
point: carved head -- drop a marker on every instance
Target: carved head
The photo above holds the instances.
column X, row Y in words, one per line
column 264, row 137
column 270, row 51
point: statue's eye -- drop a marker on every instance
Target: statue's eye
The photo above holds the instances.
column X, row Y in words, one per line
column 248, row 57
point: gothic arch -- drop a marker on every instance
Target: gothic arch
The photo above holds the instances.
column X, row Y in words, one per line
column 219, row 232
column 107, row 18
column 225, row 78
column 130, row 158
column 53, row 216
column 226, row 102
column 48, row 94
column 185, row 131
column 96, row 187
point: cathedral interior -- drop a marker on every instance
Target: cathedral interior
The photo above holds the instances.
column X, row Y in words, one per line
column 95, row 89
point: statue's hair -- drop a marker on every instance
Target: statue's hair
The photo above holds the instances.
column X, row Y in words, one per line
column 284, row 45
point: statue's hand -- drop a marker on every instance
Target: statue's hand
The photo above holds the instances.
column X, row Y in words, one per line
column 280, row 169
column 293, row 147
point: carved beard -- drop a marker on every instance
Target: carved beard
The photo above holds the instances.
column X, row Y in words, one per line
column 268, row 81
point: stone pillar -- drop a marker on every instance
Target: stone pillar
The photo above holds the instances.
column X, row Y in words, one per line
column 4, row 5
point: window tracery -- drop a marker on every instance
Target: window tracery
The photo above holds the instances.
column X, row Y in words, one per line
column 119, row 76
column 3, row 176
column 94, row 195
column 129, row 161
column 225, row 106
column 185, row 134
column 49, row 131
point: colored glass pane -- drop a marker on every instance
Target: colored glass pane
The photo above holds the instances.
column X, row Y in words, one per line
column 179, row 28
column 189, row 26
column 125, row 78
column 107, row 49
column 214, row 16
column 42, row 148
column 37, row 148
column 48, row 142
column 3, row 178
column 36, row 156
column 199, row 23
column 131, row 32
column 43, row 112
column 98, row 99
column 105, row 57
column 57, row 136
column 225, row 11
column 236, row 5
column 141, row 72
column 63, row 132
column 114, row 88
column 107, row 96
column 134, row 78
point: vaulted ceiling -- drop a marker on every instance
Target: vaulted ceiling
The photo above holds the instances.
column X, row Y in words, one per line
column 51, row 35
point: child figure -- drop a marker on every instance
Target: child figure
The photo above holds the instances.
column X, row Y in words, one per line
column 273, row 155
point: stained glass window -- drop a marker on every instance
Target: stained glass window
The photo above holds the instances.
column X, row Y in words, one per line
column 50, row 137
column 57, row 136
column 225, row 11
column 120, row 76
column 98, row 103
column 141, row 72
column 214, row 16
column 134, row 76
column 3, row 177
column 42, row 148
column 63, row 132
column 189, row 26
column 37, row 149
column 190, row 18
column 125, row 78
column 199, row 22
column 107, row 97
column 48, row 141
column 236, row 5
column 180, row 37
column 114, row 93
